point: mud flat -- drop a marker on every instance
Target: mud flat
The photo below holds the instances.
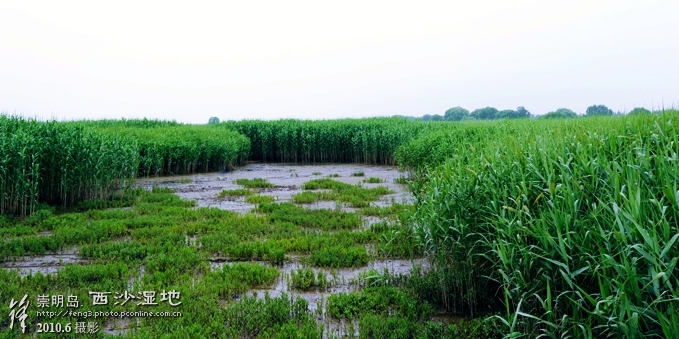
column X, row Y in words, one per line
column 288, row 180
column 45, row 264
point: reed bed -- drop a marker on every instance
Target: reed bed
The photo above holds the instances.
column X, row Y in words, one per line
column 369, row 141
column 167, row 148
column 569, row 226
column 59, row 164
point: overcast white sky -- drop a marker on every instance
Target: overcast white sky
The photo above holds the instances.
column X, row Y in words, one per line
column 322, row 60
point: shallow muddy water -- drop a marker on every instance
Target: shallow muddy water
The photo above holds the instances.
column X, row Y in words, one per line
column 45, row 264
column 341, row 280
column 287, row 178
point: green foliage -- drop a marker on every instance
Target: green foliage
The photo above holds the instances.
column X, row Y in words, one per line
column 401, row 180
column 59, row 164
column 125, row 251
column 435, row 117
column 370, row 141
column 305, row 198
column 354, row 196
column 487, row 113
column 90, row 276
column 340, row 256
column 520, row 112
column 568, row 227
column 358, row 174
column 281, row 317
column 396, row 241
column 598, row 110
column 639, row 110
column 394, row 211
column 455, row 114
column 238, row 277
column 254, row 183
column 324, row 184
column 451, row 141
column 560, row 114
column 169, row 148
column 317, row 218
column 37, row 217
column 574, row 221
column 30, row 245
column 398, row 327
column 260, row 199
column 377, row 300
column 305, row 279
column 373, row 180
column 161, row 243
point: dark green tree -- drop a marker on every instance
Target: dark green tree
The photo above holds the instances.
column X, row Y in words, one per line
column 213, row 120
column 639, row 110
column 436, row 117
column 487, row 113
column 455, row 114
column 599, row 110
column 522, row 112
column 506, row 114
column 560, row 113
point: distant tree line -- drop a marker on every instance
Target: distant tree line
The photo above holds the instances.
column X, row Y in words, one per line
column 492, row 113
column 594, row 110
column 487, row 113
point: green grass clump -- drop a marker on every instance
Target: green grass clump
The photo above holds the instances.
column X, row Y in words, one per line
column 254, row 183
column 324, row 184
column 252, row 275
column 396, row 241
column 233, row 279
column 260, row 199
column 91, row 276
column 240, row 192
column 109, row 251
column 393, row 211
column 185, row 180
column 354, row 196
column 358, row 174
column 334, row 175
column 377, row 300
column 401, row 180
column 397, row 326
column 316, row 173
column 390, row 312
column 281, row 317
column 373, row 180
column 305, row 198
column 324, row 219
column 340, row 256
column 305, row 279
